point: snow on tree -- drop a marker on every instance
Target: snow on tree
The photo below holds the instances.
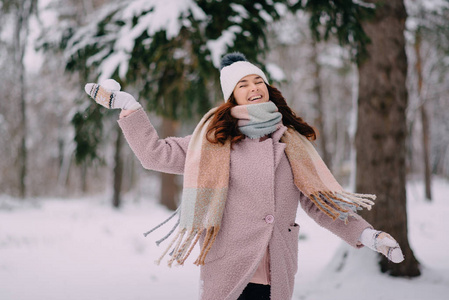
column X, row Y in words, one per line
column 165, row 52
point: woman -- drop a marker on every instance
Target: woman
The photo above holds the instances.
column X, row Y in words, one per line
column 245, row 167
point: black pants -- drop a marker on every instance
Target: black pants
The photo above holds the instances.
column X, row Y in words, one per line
column 254, row 291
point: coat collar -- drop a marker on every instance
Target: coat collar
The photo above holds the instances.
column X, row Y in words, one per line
column 276, row 136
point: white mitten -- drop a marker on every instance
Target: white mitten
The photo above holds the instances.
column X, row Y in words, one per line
column 108, row 95
column 383, row 243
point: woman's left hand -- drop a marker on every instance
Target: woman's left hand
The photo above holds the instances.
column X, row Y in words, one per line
column 383, row 243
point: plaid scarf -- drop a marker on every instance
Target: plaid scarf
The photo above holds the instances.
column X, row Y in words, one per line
column 205, row 187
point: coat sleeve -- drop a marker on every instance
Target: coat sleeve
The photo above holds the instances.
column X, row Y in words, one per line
column 163, row 155
column 349, row 232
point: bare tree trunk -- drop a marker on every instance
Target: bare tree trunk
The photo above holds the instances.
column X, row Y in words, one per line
column 169, row 187
column 83, row 173
column 426, row 152
column 320, row 106
column 24, row 10
column 381, row 128
column 424, row 119
column 23, row 129
column 118, row 170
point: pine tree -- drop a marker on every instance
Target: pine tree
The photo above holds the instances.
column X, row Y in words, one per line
column 169, row 60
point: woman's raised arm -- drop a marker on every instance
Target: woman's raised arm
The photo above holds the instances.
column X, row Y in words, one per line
column 164, row 155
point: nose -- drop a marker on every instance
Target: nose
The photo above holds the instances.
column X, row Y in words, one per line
column 253, row 87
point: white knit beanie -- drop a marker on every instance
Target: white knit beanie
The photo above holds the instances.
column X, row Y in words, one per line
column 234, row 67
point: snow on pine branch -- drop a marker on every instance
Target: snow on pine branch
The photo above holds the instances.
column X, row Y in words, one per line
column 109, row 39
column 115, row 44
column 364, row 4
column 218, row 47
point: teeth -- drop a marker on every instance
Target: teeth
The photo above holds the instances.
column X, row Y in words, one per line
column 256, row 98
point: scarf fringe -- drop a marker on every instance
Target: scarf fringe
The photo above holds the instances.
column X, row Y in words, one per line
column 163, row 223
column 175, row 249
column 364, row 200
column 211, row 235
column 184, row 256
column 184, row 244
column 341, row 204
column 158, row 262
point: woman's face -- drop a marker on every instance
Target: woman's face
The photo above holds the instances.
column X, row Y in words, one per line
column 251, row 89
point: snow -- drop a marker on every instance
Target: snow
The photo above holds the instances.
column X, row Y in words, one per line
column 267, row 18
column 164, row 15
column 7, row 32
column 84, row 249
column 34, row 59
column 240, row 10
column 275, row 72
column 137, row 17
column 434, row 5
column 218, row 47
column 364, row 4
column 153, row 16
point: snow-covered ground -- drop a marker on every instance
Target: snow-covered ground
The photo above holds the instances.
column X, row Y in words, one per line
column 54, row 249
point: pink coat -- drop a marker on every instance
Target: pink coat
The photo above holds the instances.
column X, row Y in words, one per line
column 260, row 210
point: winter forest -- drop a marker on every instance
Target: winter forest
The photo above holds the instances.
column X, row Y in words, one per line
column 368, row 75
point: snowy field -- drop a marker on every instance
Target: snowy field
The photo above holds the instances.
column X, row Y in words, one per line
column 67, row 249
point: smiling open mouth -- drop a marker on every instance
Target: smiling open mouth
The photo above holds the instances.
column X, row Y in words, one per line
column 255, row 98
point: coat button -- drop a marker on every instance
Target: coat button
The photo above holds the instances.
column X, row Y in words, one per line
column 269, row 219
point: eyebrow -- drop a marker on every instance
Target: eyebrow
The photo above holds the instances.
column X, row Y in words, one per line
column 246, row 80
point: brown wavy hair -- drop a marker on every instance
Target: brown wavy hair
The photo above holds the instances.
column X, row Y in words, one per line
column 224, row 126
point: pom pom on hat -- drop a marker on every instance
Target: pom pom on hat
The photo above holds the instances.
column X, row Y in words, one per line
column 234, row 67
column 231, row 58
